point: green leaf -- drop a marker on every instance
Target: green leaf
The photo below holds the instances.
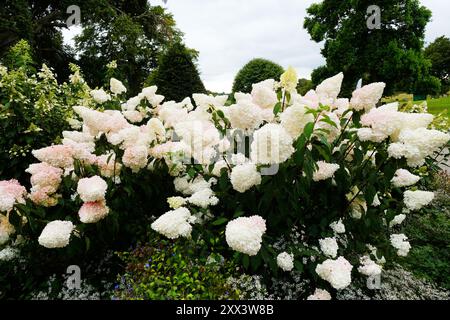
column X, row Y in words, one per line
column 277, row 108
column 308, row 130
column 219, row 221
column 245, row 261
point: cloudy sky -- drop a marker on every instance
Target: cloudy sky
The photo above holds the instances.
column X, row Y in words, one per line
column 228, row 33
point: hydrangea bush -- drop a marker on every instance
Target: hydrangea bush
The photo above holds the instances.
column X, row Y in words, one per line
column 338, row 172
column 33, row 109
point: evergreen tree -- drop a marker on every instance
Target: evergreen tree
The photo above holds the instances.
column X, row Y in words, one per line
column 177, row 76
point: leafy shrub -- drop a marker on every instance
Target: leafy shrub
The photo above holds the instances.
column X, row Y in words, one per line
column 177, row 76
column 330, row 171
column 304, row 85
column 430, row 234
column 33, row 109
column 166, row 270
column 255, row 71
column 428, row 85
column 56, row 196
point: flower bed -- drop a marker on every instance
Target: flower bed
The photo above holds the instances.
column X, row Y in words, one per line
column 277, row 182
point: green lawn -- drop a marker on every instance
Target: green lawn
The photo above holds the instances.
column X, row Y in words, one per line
column 438, row 105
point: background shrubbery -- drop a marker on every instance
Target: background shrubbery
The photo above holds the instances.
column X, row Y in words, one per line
column 34, row 109
column 177, row 76
column 255, row 71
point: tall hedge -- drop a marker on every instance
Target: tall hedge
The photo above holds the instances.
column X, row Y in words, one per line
column 255, row 71
column 177, row 76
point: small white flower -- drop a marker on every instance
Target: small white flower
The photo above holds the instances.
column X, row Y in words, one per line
column 117, row 87
column 285, row 261
column 329, row 247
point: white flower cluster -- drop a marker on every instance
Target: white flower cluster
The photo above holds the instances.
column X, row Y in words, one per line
column 174, row 224
column 320, row 294
column 285, row 261
column 415, row 200
column 399, row 242
column 325, row 170
column 367, row 97
column 176, row 202
column 336, row 272
column 56, row 234
column 294, row 119
column 272, row 144
column 92, row 191
column 338, row 226
column 329, row 247
column 8, row 254
column 404, row 178
column 415, row 145
column 398, row 219
column 244, row 234
column 11, row 192
column 369, row 267
column 387, row 121
column 245, row 176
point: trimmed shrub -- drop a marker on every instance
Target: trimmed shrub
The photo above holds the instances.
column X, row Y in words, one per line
column 177, row 76
column 255, row 71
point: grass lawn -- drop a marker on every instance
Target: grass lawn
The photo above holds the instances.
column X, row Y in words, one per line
column 438, row 105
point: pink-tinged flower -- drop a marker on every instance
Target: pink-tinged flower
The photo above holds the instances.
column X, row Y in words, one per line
column 135, row 158
column 57, row 156
column 6, row 229
column 44, row 175
column 108, row 166
column 367, row 97
column 320, row 294
column 92, row 212
column 92, row 189
column 44, row 196
column 11, row 192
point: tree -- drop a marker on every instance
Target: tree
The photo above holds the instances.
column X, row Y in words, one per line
column 439, row 54
column 392, row 54
column 129, row 31
column 304, row 85
column 132, row 33
column 177, row 76
column 255, row 71
column 39, row 23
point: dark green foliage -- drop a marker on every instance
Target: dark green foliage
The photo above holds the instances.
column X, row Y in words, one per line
column 173, row 270
column 392, row 54
column 38, row 22
column 130, row 32
column 304, row 85
column 439, row 54
column 133, row 33
column 428, row 85
column 126, row 224
column 429, row 233
column 255, row 71
column 33, row 111
column 177, row 76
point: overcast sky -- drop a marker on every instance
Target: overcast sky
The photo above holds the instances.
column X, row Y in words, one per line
column 228, row 33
